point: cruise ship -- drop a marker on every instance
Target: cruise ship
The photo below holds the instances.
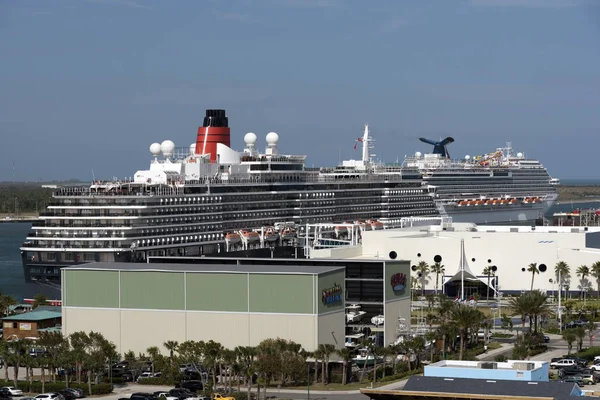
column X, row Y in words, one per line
column 502, row 187
column 207, row 199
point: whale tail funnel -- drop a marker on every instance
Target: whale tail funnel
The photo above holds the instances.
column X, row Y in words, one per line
column 439, row 147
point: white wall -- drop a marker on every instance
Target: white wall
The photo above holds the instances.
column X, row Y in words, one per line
column 509, row 251
column 331, row 329
column 139, row 329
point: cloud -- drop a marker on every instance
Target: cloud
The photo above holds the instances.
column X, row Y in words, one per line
column 529, row 3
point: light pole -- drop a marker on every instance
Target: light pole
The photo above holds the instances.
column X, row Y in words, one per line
column 308, row 381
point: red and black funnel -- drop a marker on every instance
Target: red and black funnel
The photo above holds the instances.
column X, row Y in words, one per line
column 215, row 129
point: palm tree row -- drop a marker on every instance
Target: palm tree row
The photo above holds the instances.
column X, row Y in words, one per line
column 79, row 352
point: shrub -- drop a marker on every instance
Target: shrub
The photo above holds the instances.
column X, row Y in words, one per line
column 36, row 387
column 589, row 353
column 157, row 381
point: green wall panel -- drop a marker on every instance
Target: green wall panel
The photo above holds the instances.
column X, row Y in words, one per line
column 217, row 292
column 152, row 290
column 281, row 293
column 397, row 280
column 331, row 293
column 91, row 288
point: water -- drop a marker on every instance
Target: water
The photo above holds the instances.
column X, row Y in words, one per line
column 12, row 282
column 12, row 235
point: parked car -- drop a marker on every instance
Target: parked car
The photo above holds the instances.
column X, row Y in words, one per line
column 166, row 395
column 143, row 396
column 563, row 363
column 546, row 339
column 78, row 393
column 588, row 379
column 13, row 391
column 569, row 371
column 575, row 324
column 580, row 361
column 49, row 396
column 5, row 394
column 181, row 393
column 193, row 386
column 68, row 395
column 574, row 378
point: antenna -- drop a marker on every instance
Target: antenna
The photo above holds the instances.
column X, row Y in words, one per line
column 93, row 176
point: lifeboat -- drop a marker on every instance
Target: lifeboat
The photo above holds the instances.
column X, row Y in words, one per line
column 250, row 236
column 495, row 201
column 469, row 203
column 362, row 225
column 512, row 201
column 535, row 200
column 233, row 238
column 488, row 202
column 288, row 233
column 462, row 203
column 503, row 201
column 527, row 200
column 479, row 202
column 375, row 225
column 271, row 235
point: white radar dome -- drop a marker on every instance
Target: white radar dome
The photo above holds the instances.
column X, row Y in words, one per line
column 249, row 138
column 418, row 154
column 193, row 148
column 467, row 157
column 272, row 138
column 155, row 149
column 520, row 155
column 167, row 147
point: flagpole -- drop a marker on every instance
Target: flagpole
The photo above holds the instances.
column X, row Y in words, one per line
column 462, row 270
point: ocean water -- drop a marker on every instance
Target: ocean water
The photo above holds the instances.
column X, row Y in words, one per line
column 13, row 234
column 12, row 282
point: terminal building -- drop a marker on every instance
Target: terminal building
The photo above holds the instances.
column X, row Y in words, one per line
column 507, row 250
column 237, row 302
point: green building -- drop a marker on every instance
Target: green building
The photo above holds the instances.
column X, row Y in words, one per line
column 141, row 305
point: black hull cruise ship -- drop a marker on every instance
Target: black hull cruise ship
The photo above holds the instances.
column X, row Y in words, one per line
column 208, row 199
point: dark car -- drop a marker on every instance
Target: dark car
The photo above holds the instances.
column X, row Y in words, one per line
column 5, row 394
column 546, row 339
column 570, row 371
column 128, row 376
column 181, row 393
column 67, row 394
column 78, row 393
column 574, row 378
column 193, row 386
column 143, row 396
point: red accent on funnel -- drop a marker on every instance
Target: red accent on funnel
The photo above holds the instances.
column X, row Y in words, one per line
column 213, row 136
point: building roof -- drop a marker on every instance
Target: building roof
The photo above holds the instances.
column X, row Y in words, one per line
column 207, row 268
column 552, row 390
column 35, row 315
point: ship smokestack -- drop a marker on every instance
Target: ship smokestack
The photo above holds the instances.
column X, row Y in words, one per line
column 215, row 129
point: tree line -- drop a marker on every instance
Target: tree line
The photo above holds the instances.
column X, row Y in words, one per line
column 16, row 199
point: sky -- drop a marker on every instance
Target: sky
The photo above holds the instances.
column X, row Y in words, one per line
column 87, row 85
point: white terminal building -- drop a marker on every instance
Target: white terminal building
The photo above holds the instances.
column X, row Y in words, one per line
column 510, row 249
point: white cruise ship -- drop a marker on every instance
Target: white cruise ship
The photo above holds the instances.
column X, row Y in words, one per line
column 209, row 199
column 496, row 188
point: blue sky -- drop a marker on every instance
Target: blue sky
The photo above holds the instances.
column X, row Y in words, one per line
column 90, row 84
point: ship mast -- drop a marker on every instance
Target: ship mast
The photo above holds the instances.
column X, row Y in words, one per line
column 365, row 145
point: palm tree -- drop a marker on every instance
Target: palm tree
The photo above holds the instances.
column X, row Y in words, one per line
column 422, row 270
column 582, row 272
column 5, row 302
column 40, row 299
column 438, row 269
column 171, row 346
column 591, row 327
column 489, row 272
column 533, row 268
column 569, row 337
column 521, row 305
column 595, row 272
column 562, row 269
column 246, row 359
column 538, row 307
column 465, row 318
column 346, row 355
column 153, row 353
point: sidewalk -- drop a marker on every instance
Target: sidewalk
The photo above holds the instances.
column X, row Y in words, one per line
column 492, row 353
